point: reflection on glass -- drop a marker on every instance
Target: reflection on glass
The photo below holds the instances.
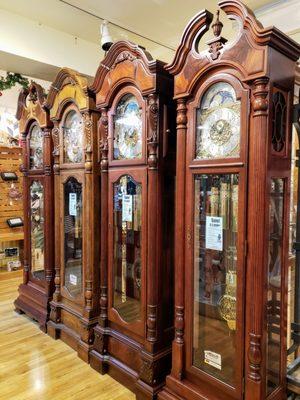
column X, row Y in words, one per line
column 218, row 123
column 215, row 275
column 73, row 235
column 73, row 138
column 36, row 148
column 274, row 283
column 37, row 229
column 127, row 248
column 128, row 129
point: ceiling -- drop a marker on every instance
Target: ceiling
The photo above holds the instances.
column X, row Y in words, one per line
column 159, row 20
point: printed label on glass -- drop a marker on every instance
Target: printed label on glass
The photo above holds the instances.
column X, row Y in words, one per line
column 213, row 359
column 214, row 233
column 73, row 279
column 72, row 204
column 127, row 208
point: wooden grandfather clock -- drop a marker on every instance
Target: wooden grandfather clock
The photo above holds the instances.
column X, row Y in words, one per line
column 75, row 304
column 38, row 275
column 232, row 209
column 137, row 161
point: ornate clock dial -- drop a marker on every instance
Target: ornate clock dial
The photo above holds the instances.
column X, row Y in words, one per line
column 73, row 138
column 218, row 123
column 128, row 129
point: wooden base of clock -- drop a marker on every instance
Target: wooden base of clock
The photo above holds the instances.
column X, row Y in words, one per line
column 127, row 362
column 33, row 302
column 72, row 328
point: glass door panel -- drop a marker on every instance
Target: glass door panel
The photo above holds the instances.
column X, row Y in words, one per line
column 274, row 283
column 73, row 236
column 215, row 275
column 37, row 229
column 127, row 265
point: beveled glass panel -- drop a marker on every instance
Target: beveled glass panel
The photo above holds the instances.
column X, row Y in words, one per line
column 218, row 123
column 128, row 129
column 73, row 236
column 127, row 248
column 73, row 138
column 274, row 283
column 36, row 151
column 37, row 229
column 215, row 275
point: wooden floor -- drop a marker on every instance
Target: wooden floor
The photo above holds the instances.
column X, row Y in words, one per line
column 35, row 367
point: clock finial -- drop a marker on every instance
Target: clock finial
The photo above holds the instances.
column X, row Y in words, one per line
column 217, row 43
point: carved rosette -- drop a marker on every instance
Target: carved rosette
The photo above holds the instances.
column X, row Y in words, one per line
column 149, row 371
column 179, row 324
column 260, row 102
column 88, row 295
column 54, row 313
column 55, row 138
column 100, row 342
column 103, row 143
column 254, row 357
column 152, row 141
column 152, row 323
column 88, row 130
column 87, row 334
column 124, row 56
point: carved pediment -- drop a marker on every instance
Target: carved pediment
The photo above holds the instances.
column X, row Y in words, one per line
column 69, row 85
column 247, row 54
column 125, row 62
column 30, row 106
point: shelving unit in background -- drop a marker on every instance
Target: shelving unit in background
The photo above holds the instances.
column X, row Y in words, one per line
column 11, row 206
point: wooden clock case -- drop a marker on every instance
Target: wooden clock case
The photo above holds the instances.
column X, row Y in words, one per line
column 138, row 352
column 37, row 288
column 75, row 304
column 260, row 66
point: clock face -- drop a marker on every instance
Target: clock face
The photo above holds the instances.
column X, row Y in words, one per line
column 128, row 129
column 218, row 123
column 73, row 138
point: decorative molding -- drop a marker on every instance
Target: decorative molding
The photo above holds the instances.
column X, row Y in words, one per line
column 88, row 132
column 56, row 295
column 181, row 118
column 103, row 143
column 100, row 342
column 103, row 305
column 254, row 357
column 260, row 102
column 55, row 313
column 149, row 371
column 179, row 324
column 124, row 56
column 55, row 153
column 87, row 334
column 151, row 323
column 88, row 294
column 152, row 140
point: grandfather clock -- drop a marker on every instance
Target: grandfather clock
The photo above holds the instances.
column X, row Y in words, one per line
column 38, row 275
column 137, row 161
column 232, row 209
column 75, row 304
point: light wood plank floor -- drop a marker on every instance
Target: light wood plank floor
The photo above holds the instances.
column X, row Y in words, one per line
column 33, row 366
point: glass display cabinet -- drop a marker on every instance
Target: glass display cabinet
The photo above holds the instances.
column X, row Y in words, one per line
column 232, row 209
column 137, row 161
column 75, row 304
column 38, row 277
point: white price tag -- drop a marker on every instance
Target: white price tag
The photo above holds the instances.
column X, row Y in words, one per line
column 72, row 204
column 73, row 279
column 127, row 208
column 214, row 233
column 213, row 359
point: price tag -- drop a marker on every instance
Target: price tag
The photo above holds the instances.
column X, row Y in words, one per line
column 73, row 279
column 127, row 208
column 214, row 233
column 72, row 204
column 213, row 359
